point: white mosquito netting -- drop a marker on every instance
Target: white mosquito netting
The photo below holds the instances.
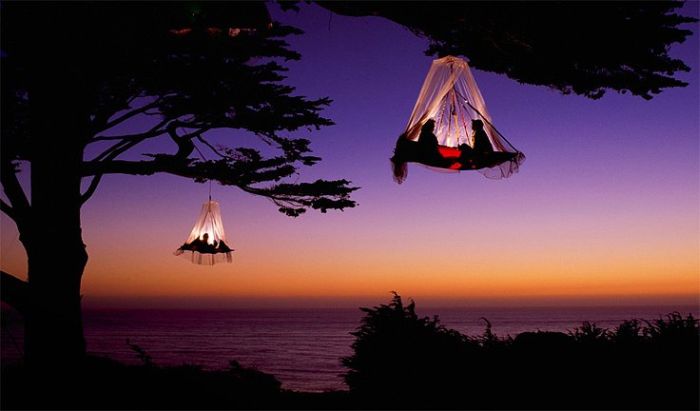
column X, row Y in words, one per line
column 452, row 99
column 206, row 243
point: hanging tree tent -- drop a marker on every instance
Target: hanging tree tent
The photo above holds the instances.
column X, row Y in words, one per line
column 206, row 243
column 451, row 98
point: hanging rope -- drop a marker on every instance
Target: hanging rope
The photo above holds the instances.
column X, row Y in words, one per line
column 465, row 126
column 205, row 159
column 440, row 115
column 486, row 120
column 455, row 116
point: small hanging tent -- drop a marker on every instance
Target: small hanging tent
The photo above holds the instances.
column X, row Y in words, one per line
column 206, row 245
column 451, row 98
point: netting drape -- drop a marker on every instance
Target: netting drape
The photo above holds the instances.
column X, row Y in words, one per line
column 206, row 242
column 451, row 97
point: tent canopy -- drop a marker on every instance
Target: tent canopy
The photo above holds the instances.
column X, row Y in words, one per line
column 450, row 97
column 206, row 242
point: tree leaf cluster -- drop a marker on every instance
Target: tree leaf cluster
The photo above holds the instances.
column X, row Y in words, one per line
column 169, row 72
column 580, row 47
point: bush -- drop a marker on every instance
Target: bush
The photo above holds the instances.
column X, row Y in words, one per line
column 102, row 383
column 401, row 360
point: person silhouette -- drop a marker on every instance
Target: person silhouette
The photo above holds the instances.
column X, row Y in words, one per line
column 428, row 152
column 482, row 145
column 466, row 157
column 223, row 247
column 205, row 247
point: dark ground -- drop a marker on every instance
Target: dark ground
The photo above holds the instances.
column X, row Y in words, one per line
column 402, row 361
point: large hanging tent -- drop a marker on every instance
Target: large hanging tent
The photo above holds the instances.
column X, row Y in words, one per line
column 206, row 243
column 451, row 98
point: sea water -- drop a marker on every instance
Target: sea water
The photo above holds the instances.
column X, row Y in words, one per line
column 301, row 347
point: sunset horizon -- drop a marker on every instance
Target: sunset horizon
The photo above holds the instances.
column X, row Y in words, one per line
column 687, row 302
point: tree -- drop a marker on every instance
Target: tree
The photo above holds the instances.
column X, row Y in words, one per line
column 580, row 47
column 73, row 73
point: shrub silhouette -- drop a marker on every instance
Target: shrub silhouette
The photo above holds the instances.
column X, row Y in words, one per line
column 628, row 332
column 102, row 383
column 674, row 328
column 395, row 350
column 141, row 354
column 402, row 360
column 589, row 333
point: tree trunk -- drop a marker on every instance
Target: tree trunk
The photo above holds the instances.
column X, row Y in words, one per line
column 56, row 253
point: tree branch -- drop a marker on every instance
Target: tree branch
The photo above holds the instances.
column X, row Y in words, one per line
column 144, row 168
column 113, row 152
column 212, row 148
column 91, row 189
column 7, row 209
column 131, row 114
column 155, row 131
column 130, row 141
column 184, row 142
column 14, row 292
column 293, row 199
column 126, row 137
column 19, row 205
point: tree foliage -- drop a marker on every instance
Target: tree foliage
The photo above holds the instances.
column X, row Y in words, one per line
column 178, row 71
column 93, row 88
column 576, row 47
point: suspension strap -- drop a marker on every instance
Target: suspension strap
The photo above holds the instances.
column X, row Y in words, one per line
column 488, row 122
column 205, row 159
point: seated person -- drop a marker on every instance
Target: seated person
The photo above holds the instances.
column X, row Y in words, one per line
column 466, row 157
column 428, row 152
column 200, row 245
column 193, row 245
column 223, row 248
column 482, row 144
column 205, row 247
column 405, row 150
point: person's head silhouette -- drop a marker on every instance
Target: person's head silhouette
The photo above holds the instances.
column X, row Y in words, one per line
column 477, row 125
column 205, row 238
column 428, row 127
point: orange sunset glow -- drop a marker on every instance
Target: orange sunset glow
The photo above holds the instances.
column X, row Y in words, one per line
column 584, row 258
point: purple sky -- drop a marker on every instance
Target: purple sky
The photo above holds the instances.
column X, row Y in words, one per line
column 609, row 186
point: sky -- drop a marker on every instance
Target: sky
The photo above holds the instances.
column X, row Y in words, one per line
column 605, row 210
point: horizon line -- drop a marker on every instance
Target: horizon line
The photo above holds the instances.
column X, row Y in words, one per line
column 243, row 302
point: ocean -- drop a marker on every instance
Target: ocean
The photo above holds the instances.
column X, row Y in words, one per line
column 301, row 347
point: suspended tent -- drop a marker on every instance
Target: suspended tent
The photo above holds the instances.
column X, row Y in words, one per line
column 206, row 243
column 451, row 98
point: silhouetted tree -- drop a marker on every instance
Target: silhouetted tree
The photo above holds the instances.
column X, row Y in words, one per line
column 572, row 46
column 78, row 78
